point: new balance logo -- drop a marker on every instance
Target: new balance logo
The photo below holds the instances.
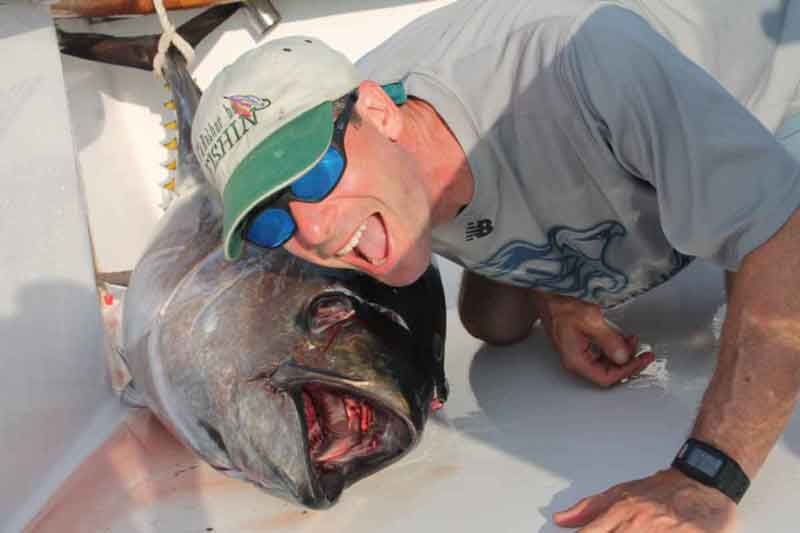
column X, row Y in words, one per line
column 481, row 228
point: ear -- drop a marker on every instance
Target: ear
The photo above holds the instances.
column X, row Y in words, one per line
column 379, row 109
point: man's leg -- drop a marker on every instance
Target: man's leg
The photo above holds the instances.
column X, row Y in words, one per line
column 494, row 312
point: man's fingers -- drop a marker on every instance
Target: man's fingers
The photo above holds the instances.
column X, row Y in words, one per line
column 586, row 510
column 639, row 363
column 615, row 520
column 633, row 343
column 596, row 350
column 605, row 374
column 633, row 367
column 577, row 515
column 609, row 341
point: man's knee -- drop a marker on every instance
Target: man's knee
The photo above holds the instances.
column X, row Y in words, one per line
column 494, row 331
column 495, row 313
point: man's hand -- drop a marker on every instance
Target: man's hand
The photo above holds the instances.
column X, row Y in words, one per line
column 666, row 502
column 588, row 344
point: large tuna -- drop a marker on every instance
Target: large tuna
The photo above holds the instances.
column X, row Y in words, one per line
column 299, row 379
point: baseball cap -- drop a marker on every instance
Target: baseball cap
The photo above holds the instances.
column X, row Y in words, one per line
column 265, row 120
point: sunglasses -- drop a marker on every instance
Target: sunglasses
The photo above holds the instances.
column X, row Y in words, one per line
column 273, row 225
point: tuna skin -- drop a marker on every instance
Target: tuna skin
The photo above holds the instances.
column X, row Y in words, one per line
column 233, row 357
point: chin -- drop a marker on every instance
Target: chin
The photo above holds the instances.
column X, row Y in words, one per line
column 406, row 272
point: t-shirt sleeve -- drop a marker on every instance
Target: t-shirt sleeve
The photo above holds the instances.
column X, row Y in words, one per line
column 724, row 183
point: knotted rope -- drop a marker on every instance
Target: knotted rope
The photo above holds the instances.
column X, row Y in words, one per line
column 169, row 36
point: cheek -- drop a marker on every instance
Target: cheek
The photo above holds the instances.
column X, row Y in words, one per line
column 373, row 163
column 411, row 187
column 392, row 176
column 384, row 171
column 294, row 247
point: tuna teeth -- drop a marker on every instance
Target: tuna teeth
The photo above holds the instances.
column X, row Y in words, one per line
column 353, row 241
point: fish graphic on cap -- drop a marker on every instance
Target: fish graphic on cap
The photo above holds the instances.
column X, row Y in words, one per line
column 243, row 105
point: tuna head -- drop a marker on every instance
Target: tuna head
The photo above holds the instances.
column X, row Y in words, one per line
column 299, row 379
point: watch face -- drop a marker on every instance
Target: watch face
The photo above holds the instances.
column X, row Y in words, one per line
column 703, row 461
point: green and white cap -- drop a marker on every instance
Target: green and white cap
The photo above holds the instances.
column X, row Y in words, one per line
column 265, row 120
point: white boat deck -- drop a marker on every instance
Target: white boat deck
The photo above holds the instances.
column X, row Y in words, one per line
column 518, row 439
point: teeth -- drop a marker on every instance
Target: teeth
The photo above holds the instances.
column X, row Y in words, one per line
column 353, row 241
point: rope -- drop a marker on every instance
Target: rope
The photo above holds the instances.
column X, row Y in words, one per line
column 169, row 36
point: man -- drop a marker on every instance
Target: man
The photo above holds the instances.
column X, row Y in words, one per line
column 570, row 154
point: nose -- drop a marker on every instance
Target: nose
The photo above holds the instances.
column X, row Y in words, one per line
column 315, row 222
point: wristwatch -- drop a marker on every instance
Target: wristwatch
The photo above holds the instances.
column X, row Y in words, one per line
column 708, row 465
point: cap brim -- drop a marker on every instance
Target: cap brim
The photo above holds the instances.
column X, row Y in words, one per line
column 279, row 160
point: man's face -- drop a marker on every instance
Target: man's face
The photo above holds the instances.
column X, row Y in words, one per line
column 377, row 219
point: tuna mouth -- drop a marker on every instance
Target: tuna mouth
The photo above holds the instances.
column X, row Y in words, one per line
column 349, row 433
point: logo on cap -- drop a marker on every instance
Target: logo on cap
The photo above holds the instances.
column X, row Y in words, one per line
column 220, row 136
column 244, row 105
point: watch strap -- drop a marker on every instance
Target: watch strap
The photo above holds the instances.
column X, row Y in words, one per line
column 730, row 479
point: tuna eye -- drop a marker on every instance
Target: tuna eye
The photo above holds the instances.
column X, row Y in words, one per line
column 328, row 310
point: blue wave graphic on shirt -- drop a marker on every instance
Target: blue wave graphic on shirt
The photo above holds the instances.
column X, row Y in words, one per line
column 572, row 262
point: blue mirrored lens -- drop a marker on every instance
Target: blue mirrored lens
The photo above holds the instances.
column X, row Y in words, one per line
column 270, row 228
column 320, row 180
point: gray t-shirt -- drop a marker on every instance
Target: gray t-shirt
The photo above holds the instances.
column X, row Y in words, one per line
column 604, row 158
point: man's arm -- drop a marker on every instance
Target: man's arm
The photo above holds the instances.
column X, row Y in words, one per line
column 755, row 386
column 745, row 408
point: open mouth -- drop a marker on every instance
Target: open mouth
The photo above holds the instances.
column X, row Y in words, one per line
column 350, row 433
column 369, row 242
